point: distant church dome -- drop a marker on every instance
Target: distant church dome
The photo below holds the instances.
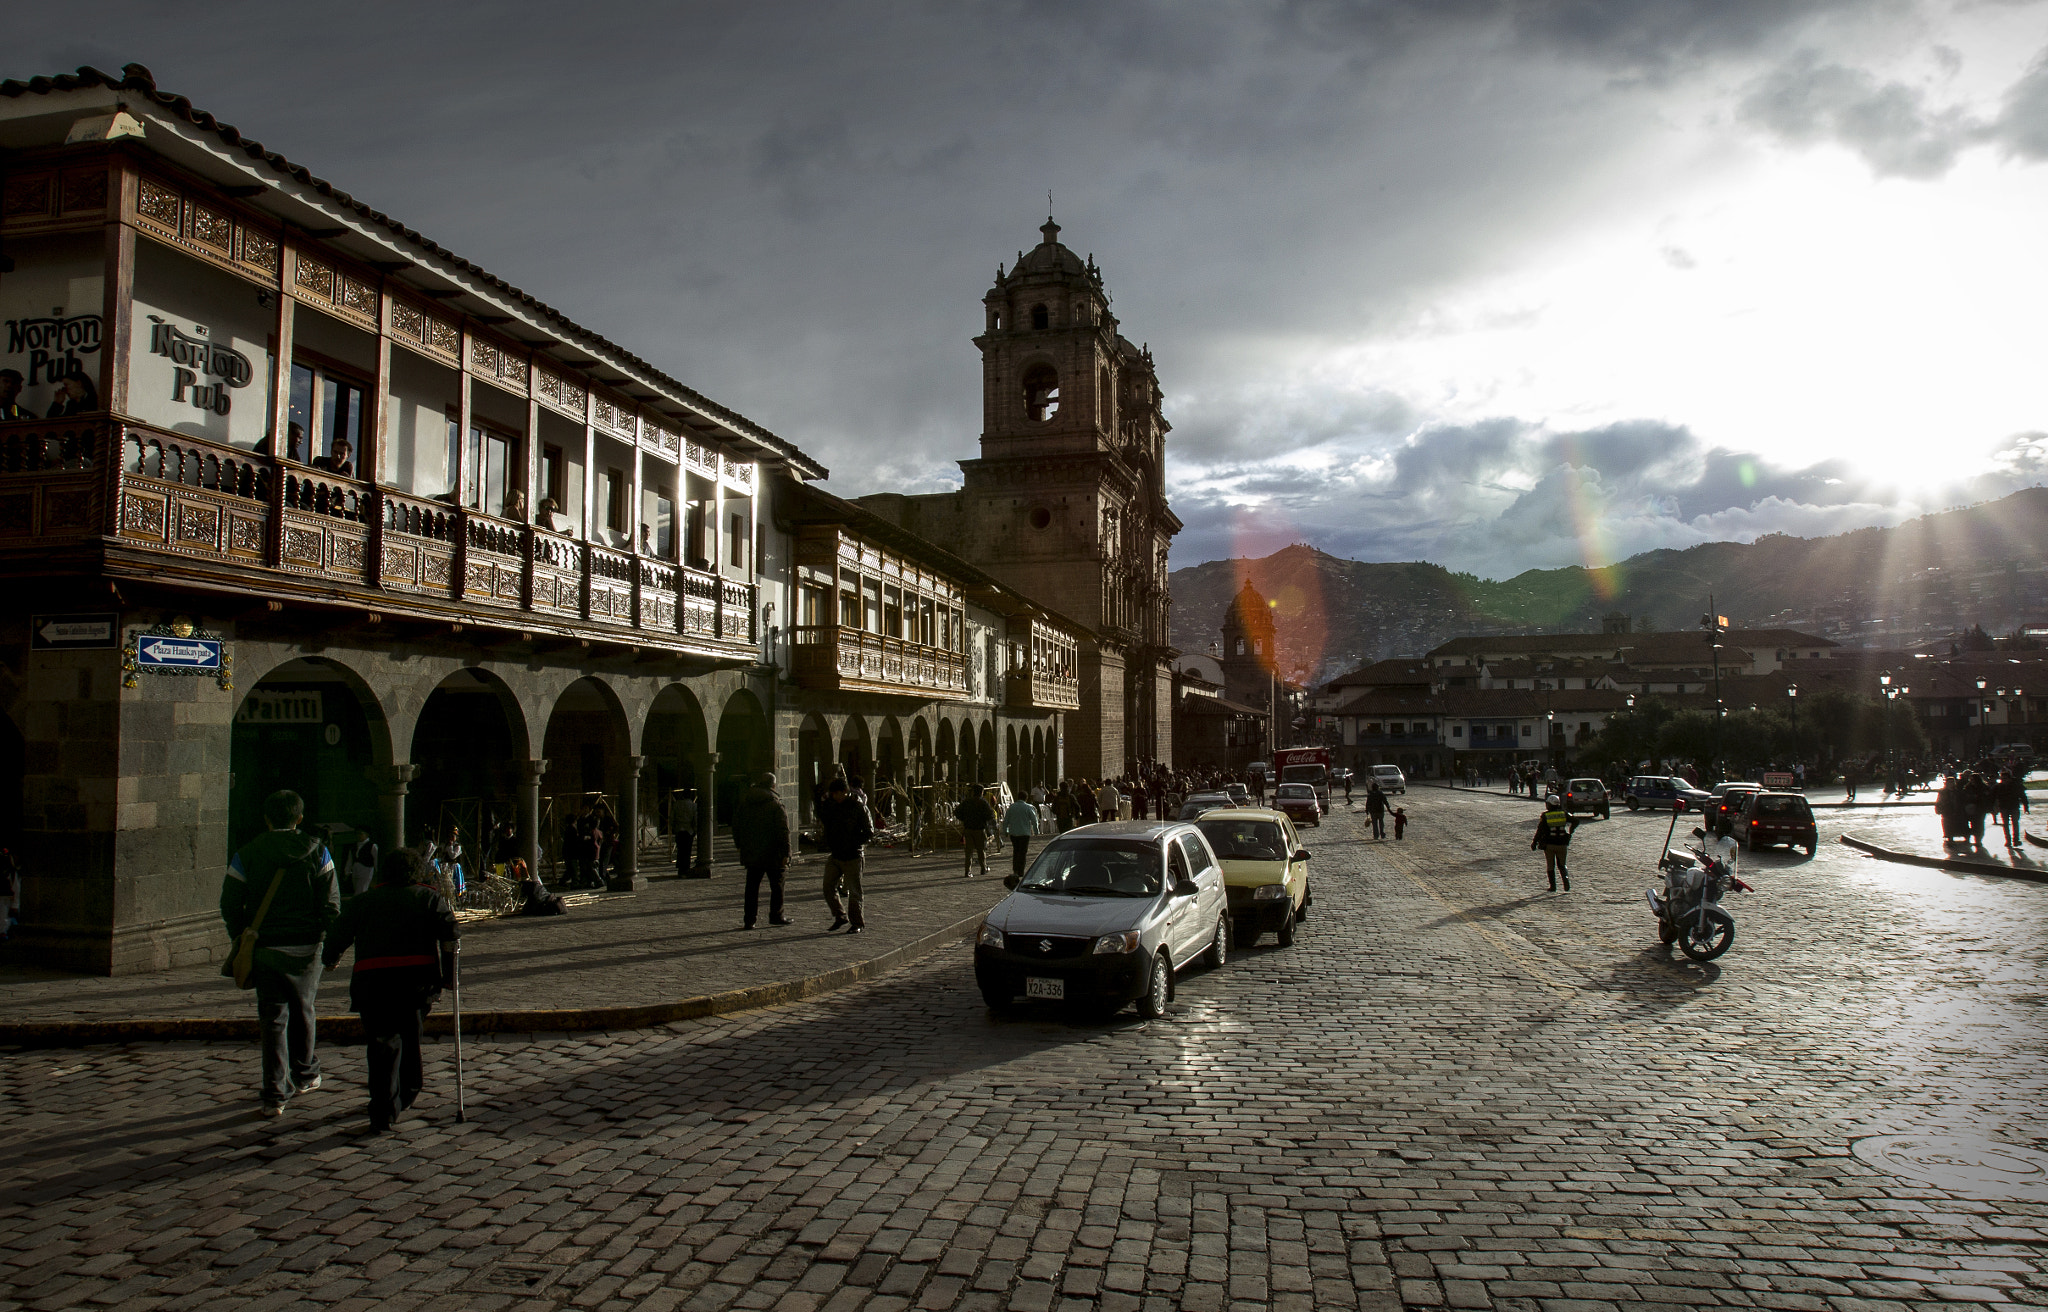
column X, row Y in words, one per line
column 1049, row 256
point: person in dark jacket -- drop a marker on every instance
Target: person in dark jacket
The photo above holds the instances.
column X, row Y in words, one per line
column 976, row 818
column 1376, row 808
column 287, row 957
column 760, row 832
column 404, row 935
column 1554, row 837
column 847, row 829
column 2011, row 796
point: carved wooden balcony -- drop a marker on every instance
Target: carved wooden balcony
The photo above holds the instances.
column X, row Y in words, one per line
column 93, row 495
column 828, row 657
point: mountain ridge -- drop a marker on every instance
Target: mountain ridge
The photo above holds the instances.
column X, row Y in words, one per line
column 1982, row 564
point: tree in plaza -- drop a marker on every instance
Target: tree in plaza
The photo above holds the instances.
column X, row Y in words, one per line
column 1688, row 736
column 1628, row 738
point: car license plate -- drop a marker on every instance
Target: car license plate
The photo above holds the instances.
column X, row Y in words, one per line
column 1045, row 988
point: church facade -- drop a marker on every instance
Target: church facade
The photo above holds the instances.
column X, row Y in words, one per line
column 1067, row 503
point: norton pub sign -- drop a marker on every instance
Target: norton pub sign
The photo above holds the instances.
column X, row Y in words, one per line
column 198, row 360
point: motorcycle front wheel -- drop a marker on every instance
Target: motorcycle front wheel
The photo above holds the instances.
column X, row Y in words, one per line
column 1703, row 940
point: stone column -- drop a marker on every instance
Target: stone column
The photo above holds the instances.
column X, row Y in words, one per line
column 707, row 813
column 626, row 877
column 530, row 773
column 393, row 781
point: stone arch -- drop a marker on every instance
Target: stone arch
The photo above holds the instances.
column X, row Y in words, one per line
column 674, row 740
column 990, row 763
column 946, row 753
column 468, row 746
column 968, row 770
column 857, row 749
column 889, row 750
column 746, row 749
column 313, row 725
column 919, row 765
column 1014, row 768
column 1041, row 770
column 815, row 755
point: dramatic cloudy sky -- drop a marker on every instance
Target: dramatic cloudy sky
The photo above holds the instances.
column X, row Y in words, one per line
column 1490, row 283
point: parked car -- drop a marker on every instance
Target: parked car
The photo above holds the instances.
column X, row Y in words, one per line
column 1197, row 803
column 1770, row 818
column 1298, row 802
column 1662, row 792
column 1105, row 916
column 1390, row 779
column 1239, row 793
column 1265, row 871
column 1587, row 795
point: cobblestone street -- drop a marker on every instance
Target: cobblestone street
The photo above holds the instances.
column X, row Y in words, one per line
column 1457, row 1090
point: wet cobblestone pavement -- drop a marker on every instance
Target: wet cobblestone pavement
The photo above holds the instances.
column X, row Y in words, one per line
column 1457, row 1090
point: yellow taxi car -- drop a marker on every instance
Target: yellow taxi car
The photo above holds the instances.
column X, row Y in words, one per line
column 1265, row 871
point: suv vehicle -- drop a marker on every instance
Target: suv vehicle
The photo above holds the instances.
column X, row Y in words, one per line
column 1587, row 795
column 1390, row 779
column 1265, row 872
column 1769, row 818
column 1106, row 915
column 1663, row 792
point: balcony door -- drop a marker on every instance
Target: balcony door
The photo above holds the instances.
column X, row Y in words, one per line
column 487, row 469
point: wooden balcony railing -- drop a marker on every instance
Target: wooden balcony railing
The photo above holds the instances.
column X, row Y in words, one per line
column 95, row 483
column 827, row 657
column 1043, row 692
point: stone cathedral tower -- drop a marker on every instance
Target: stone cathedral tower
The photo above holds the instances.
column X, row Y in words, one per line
column 1066, row 503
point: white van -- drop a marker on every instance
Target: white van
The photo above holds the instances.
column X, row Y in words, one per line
column 1390, row 779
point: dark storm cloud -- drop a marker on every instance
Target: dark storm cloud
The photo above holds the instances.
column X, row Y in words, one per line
column 796, row 208
column 1890, row 124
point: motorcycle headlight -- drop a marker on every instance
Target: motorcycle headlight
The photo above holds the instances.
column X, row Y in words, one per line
column 990, row 936
column 1269, row 892
column 1124, row 942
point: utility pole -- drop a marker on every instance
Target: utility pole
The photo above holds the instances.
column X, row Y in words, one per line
column 1716, row 624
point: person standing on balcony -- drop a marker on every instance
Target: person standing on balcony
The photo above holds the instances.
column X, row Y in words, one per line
column 846, row 829
column 1020, row 822
column 340, row 462
column 10, row 392
column 283, row 885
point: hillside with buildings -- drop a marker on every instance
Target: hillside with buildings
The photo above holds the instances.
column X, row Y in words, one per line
column 1913, row 584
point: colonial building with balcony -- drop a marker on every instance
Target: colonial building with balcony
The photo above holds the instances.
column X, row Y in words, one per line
column 291, row 496
column 911, row 666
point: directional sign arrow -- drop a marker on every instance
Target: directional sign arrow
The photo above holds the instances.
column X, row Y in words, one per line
column 174, row 651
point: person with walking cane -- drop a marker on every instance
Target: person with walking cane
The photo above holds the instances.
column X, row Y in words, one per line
column 405, row 939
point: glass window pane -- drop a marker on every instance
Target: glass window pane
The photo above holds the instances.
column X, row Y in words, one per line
column 299, row 414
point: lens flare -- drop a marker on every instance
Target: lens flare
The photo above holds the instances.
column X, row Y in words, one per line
column 1286, row 576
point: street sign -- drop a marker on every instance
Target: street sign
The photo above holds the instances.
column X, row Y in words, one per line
column 74, row 632
column 175, row 653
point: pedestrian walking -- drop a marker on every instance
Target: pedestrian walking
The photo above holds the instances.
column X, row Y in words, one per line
column 976, row 818
column 1020, row 822
column 847, row 828
column 2009, row 795
column 682, row 822
column 404, row 935
column 281, row 890
column 1107, row 802
column 1347, row 788
column 1400, row 822
column 1376, row 808
column 760, row 833
column 1554, row 836
column 1064, row 808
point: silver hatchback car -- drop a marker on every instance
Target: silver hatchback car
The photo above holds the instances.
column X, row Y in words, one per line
column 1106, row 915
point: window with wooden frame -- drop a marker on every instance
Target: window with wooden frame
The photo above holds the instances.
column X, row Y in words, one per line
column 737, row 542
column 327, row 403
column 554, row 481
column 615, row 500
column 487, row 468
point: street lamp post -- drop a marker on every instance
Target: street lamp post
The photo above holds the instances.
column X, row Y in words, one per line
column 1983, row 713
column 1792, row 696
column 1713, row 623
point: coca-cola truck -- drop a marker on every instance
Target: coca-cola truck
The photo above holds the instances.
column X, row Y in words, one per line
column 1306, row 765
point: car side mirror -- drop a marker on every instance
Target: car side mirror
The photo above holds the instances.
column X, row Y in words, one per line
column 1186, row 888
column 1010, row 882
column 1302, row 855
column 1698, row 832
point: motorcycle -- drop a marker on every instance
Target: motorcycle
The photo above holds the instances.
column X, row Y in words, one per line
column 1688, row 907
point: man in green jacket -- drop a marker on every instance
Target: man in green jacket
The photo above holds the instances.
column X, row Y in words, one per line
column 306, row 901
